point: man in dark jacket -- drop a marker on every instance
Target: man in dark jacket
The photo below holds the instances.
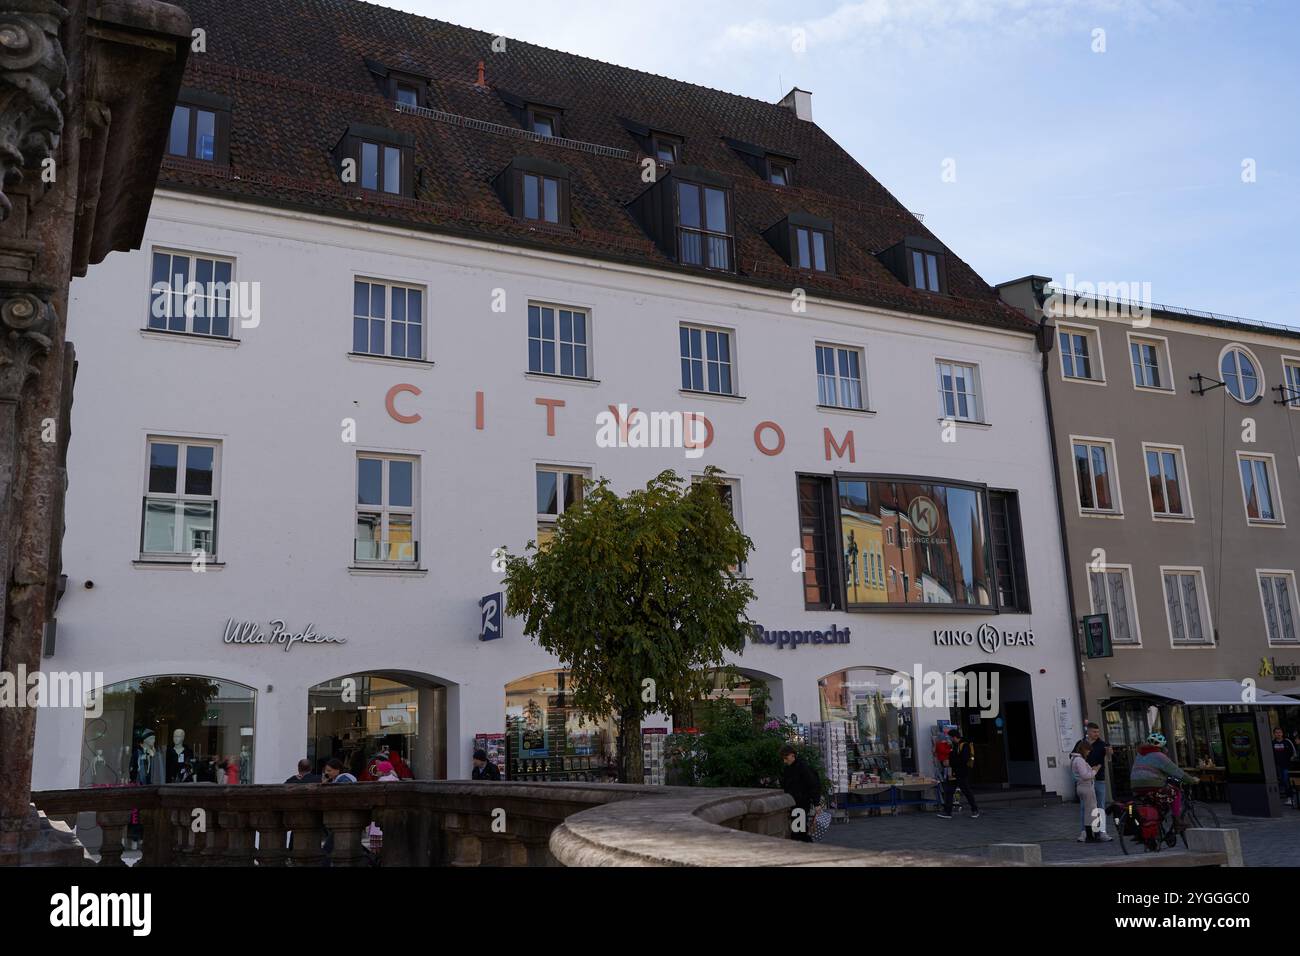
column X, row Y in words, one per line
column 800, row 781
column 960, row 761
column 1283, row 754
column 304, row 774
column 484, row 769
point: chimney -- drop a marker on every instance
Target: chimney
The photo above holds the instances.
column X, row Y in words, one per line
column 481, row 82
column 800, row 101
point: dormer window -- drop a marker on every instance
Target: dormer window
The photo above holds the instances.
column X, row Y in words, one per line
column 200, row 127
column 703, row 226
column 544, row 119
column 535, row 190
column 407, row 94
column 664, row 146
column 543, row 123
column 775, row 168
column 805, row 242
column 918, row 262
column 406, row 89
column 377, row 159
column 667, row 149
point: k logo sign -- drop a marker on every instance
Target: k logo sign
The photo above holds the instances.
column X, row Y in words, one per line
column 924, row 515
column 489, row 607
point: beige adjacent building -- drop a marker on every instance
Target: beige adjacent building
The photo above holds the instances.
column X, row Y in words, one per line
column 1176, row 437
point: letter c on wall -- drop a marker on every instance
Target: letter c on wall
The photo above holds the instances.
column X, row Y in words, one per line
column 392, row 409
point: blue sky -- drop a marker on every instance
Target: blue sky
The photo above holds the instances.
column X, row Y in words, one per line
column 1117, row 166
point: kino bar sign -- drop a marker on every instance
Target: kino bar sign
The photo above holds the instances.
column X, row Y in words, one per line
column 989, row 639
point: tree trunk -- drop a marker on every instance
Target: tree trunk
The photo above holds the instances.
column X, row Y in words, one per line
column 631, row 760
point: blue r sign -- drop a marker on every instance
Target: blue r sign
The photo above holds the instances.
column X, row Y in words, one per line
column 489, row 607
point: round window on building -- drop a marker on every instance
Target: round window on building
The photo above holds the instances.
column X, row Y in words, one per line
column 547, row 738
column 169, row 729
column 880, row 733
column 1241, row 374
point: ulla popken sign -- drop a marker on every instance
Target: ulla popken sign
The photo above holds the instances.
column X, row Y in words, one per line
column 250, row 632
column 988, row 638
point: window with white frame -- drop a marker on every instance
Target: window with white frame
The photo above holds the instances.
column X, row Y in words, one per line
column 1185, row 605
column 1111, row 589
column 557, row 341
column 729, row 492
column 1080, row 354
column 706, row 360
column 959, row 391
column 1291, row 382
column 387, row 319
column 1094, row 466
column 190, row 293
column 1277, row 592
column 1149, row 360
column 1241, row 374
column 1258, row 489
column 558, row 489
column 839, row 376
column 1166, row 478
column 180, row 498
column 387, row 492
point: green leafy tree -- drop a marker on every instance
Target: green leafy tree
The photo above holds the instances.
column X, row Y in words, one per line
column 639, row 599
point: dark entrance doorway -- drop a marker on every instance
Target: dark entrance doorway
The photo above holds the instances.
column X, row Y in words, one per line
column 1006, row 744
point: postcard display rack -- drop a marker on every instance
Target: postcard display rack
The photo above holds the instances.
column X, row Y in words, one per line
column 653, row 740
column 564, row 754
column 832, row 738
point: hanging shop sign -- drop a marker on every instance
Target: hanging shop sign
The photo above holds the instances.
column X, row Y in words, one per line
column 986, row 637
column 794, row 639
column 277, row 635
column 489, row 609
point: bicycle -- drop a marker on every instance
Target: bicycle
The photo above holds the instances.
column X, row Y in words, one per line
column 1128, row 822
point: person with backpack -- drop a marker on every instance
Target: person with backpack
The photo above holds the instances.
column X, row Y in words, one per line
column 961, row 761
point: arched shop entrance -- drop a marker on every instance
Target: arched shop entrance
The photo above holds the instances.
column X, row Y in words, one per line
column 1006, row 743
column 172, row 728
column 547, row 738
column 359, row 716
column 755, row 691
column 880, row 732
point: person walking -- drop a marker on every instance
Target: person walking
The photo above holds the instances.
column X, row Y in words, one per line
column 960, row 761
column 1084, row 774
column 304, row 774
column 800, row 781
column 1098, row 751
column 1283, row 754
column 484, row 769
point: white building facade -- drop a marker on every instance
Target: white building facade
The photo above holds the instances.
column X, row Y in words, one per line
column 263, row 452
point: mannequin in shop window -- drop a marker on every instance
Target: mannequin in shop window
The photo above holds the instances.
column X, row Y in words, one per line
column 180, row 760
column 145, row 765
column 245, row 765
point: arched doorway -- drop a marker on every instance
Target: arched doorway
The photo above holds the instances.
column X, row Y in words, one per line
column 170, row 728
column 357, row 717
column 1006, row 740
column 755, row 691
column 880, row 732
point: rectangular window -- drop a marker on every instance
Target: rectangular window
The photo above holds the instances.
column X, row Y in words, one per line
column 1079, row 353
column 778, row 173
column 1186, row 607
column 704, row 231
column 839, row 377
column 190, row 293
column 816, row 534
column 1149, row 359
column 810, row 249
column 1258, row 481
column 180, row 499
column 1010, row 571
column 406, row 94
column 380, row 168
column 544, row 124
column 959, row 391
column 706, row 360
column 557, row 341
column 558, row 489
column 925, row 271
column 1165, row 476
column 943, row 554
column 387, row 319
column 193, row 133
column 387, row 493
column 1094, row 467
column 1277, row 592
column 665, row 149
column 1111, row 590
column 1291, row 382
column 541, row 198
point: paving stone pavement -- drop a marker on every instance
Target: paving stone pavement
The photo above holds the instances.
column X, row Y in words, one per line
column 1264, row 842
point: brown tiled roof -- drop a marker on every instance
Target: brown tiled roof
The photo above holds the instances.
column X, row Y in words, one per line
column 297, row 74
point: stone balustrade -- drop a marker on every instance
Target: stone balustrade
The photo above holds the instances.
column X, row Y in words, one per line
column 455, row 823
